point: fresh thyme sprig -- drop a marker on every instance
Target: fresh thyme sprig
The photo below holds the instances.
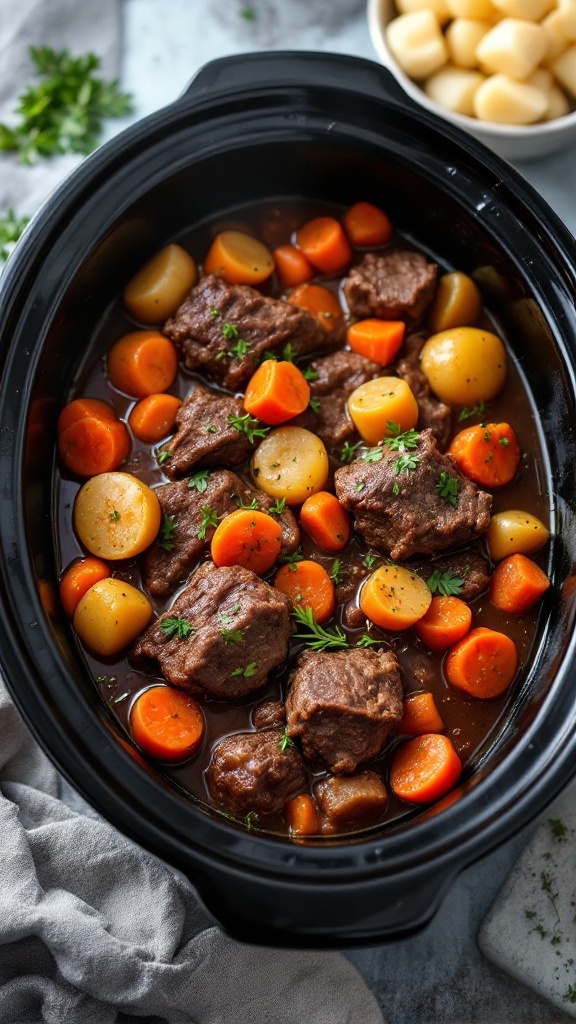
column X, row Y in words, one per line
column 315, row 636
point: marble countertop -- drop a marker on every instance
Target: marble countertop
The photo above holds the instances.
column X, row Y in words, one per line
column 439, row 975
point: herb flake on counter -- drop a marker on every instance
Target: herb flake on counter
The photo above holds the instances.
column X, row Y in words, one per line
column 248, row 425
column 11, row 227
column 199, row 481
column 177, row 628
column 167, row 532
column 315, row 636
column 209, row 518
column 445, row 583
column 558, row 829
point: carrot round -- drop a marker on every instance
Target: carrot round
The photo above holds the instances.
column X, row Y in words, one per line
column 153, row 417
column 447, row 620
column 394, row 598
column 487, row 453
column 325, row 521
column 425, row 768
column 248, row 538
column 420, row 715
column 378, row 340
column 323, row 242
column 276, row 392
column 239, row 258
column 81, row 408
column 367, row 224
column 167, row 724
column 78, row 579
column 516, row 584
column 482, row 664
column 301, row 815
column 320, row 302
column 142, row 363
column 308, row 584
column 92, row 439
column 292, row 266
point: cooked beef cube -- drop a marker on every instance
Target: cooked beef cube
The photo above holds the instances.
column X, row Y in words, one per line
column 338, row 376
column 250, row 772
column 269, row 714
column 468, row 566
column 204, row 435
column 351, row 800
column 343, row 705
column 225, row 330
column 168, row 562
column 398, row 284
column 223, row 634
column 432, row 413
column 403, row 513
column 346, row 590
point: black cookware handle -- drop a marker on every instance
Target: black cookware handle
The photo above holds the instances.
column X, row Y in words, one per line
column 296, row 68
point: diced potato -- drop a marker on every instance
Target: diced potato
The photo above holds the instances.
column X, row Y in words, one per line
column 541, row 79
column 375, row 404
column 515, row 532
column 513, row 48
column 416, row 42
column 111, row 615
column 480, row 10
column 554, row 29
column 558, row 105
column 530, row 10
column 116, row 515
column 462, row 38
column 567, row 10
column 564, row 69
column 440, row 8
column 454, row 89
column 504, row 100
column 290, row 463
column 157, row 290
column 464, row 365
column 457, row 302
column 349, row 799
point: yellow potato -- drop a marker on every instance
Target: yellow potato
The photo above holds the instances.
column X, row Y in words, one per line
column 515, row 532
column 417, row 43
column 157, row 290
column 116, row 515
column 564, row 68
column 379, row 402
column 290, row 463
column 503, row 100
column 457, row 302
column 462, row 38
column 475, row 9
column 464, row 365
column 454, row 88
column 513, row 48
column 111, row 615
column 439, row 7
column 531, row 10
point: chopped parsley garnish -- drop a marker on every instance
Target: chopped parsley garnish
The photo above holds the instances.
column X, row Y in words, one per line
column 251, row 820
column 373, row 454
column 360, row 486
column 11, row 227
column 337, row 573
column 289, row 353
column 348, row 451
column 247, row 671
column 309, row 374
column 211, row 429
column 230, row 331
column 292, row 559
column 401, row 442
column 406, row 463
column 177, row 628
column 114, row 515
column 367, row 641
column 315, row 636
column 446, row 583
column 240, row 347
column 504, row 441
column 285, row 741
column 278, row 507
column 232, row 636
column 251, row 505
column 167, row 532
column 163, row 457
column 369, row 560
column 248, row 425
column 215, row 312
column 314, row 405
column 199, row 481
column 209, row 518
column 448, row 487
column 472, row 410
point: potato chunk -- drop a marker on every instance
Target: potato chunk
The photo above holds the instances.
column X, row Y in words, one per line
column 554, row 28
column 375, row 404
column 454, row 89
column 529, row 10
column 513, row 48
column 111, row 615
column 504, row 100
column 564, row 68
column 439, row 7
column 515, row 532
column 116, row 515
column 290, row 463
column 464, row 365
column 457, row 302
column 157, row 290
column 462, row 38
column 347, row 800
column 477, row 9
column 417, row 43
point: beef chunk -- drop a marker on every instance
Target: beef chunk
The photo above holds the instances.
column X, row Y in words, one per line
column 346, row 590
column 404, row 513
column 249, row 771
column 432, row 413
column 168, row 563
column 468, row 566
column 350, row 800
column 338, row 376
column 216, row 316
column 398, row 284
column 240, row 628
column 269, row 714
column 204, row 435
column 343, row 705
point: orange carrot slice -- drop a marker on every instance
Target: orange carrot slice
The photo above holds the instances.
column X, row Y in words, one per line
column 482, row 664
column 276, row 392
column 308, row 584
column 516, row 584
column 248, row 538
column 167, row 724
column 425, row 768
column 326, row 521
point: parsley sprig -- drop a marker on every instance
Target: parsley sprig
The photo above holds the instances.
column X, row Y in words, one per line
column 348, row 451
column 292, row 559
column 199, row 481
column 240, row 347
column 11, row 227
column 448, row 487
column 446, row 583
column 232, row 636
column 249, row 505
column 472, row 410
column 248, row 425
column 278, row 507
column 247, row 671
column 401, row 441
column 177, row 628
column 209, row 518
column 167, row 532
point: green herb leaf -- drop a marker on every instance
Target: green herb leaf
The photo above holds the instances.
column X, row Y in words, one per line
column 278, row 507
column 369, row 560
column 445, row 583
column 248, row 670
column 406, row 464
column 232, row 636
column 289, row 353
column 167, row 532
column 314, row 405
column 251, row 820
column 292, row 559
column 360, row 486
column 367, row 641
column 504, row 441
column 558, row 829
column 215, row 312
column 348, row 451
column 309, row 374
column 177, row 628
column 472, row 410
column 211, row 429
column 337, row 572
column 209, row 518
column 163, row 457
column 11, row 227
column 286, row 741
column 448, row 487
column 315, row 636
column 248, row 425
column 199, row 481
column 114, row 515
column 405, row 442
column 251, row 506
column 372, row 455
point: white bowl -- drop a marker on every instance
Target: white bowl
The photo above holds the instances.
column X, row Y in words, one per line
column 510, row 141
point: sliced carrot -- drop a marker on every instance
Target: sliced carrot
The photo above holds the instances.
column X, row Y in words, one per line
column 367, row 224
column 516, row 584
column 301, row 815
column 482, row 664
column 378, row 340
column 323, row 242
column 308, row 584
column 78, row 578
column 92, row 443
column 326, row 521
column 142, row 363
column 425, row 768
column 81, row 408
column 153, row 417
column 248, row 538
column 320, row 302
column 447, row 620
column 277, row 392
column 420, row 715
column 292, row 266
column 239, row 258
column 487, row 453
column 394, row 597
column 167, row 724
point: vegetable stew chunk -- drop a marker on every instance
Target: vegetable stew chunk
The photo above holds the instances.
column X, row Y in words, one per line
column 205, row 436
column 342, row 705
column 413, row 503
column 431, row 412
column 398, row 284
column 339, row 374
column 348, row 800
column 226, row 329
column 191, row 509
column 223, row 634
column 255, row 772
